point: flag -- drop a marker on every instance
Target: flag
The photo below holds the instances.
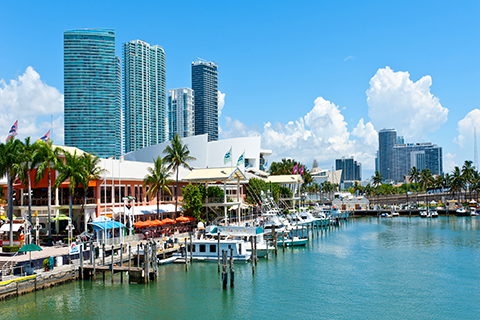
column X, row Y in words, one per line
column 13, row 131
column 45, row 137
column 301, row 170
column 228, row 156
column 295, row 169
column 241, row 160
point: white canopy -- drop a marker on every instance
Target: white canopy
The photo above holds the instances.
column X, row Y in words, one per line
column 15, row 227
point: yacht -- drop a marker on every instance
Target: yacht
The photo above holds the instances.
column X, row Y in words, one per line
column 207, row 250
column 461, row 212
column 423, row 213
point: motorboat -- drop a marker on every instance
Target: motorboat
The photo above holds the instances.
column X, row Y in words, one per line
column 423, row 213
column 385, row 215
column 473, row 212
column 461, row 212
column 208, row 250
column 261, row 244
column 434, row 213
column 296, row 242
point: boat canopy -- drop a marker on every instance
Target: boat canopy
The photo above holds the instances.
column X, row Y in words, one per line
column 237, row 231
column 106, row 225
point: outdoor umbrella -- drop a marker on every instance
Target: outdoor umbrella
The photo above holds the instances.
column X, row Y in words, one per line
column 157, row 222
column 29, row 248
column 183, row 219
column 168, row 221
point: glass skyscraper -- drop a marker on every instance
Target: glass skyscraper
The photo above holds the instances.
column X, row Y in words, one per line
column 386, row 140
column 181, row 112
column 205, row 88
column 92, row 102
column 144, row 90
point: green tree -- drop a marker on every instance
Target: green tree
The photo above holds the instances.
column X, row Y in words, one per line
column 414, row 176
column 193, row 200
column 468, row 171
column 157, row 180
column 376, row 182
column 177, row 154
column 10, row 161
column 456, row 182
column 47, row 156
column 28, row 164
column 71, row 169
column 426, row 180
column 92, row 172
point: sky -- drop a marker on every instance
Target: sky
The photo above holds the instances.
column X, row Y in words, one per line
column 315, row 79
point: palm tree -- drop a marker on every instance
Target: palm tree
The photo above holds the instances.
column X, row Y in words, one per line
column 28, row 164
column 47, row 156
column 91, row 172
column 157, row 179
column 456, row 181
column 426, row 180
column 414, row 176
column 10, row 160
column 467, row 174
column 376, row 181
column 177, row 154
column 73, row 170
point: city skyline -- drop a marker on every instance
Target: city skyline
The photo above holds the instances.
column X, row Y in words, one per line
column 318, row 85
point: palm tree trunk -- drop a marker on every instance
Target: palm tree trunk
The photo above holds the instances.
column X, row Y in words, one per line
column 30, row 205
column 49, row 202
column 10, row 207
column 158, row 205
column 70, row 200
column 176, row 196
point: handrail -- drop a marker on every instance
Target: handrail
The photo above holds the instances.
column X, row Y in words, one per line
column 9, row 261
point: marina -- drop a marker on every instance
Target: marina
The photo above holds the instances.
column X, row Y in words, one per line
column 418, row 268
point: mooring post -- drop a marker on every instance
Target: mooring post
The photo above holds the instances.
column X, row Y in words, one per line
column 186, row 254
column 274, row 233
column 224, row 269
column 255, row 243
column 191, row 247
column 91, row 251
column 121, row 262
column 232, row 272
column 81, row 262
column 129, row 258
column 138, row 255
column 103, row 254
column 94, row 262
column 112, row 265
column 218, row 250
column 266, row 245
column 253, row 257
column 283, row 240
column 145, row 262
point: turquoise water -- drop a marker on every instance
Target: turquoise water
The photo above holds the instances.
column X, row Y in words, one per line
column 369, row 268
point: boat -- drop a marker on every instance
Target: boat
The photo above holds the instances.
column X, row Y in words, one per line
column 423, row 214
column 434, row 213
column 385, row 215
column 461, row 212
column 262, row 246
column 207, row 250
column 473, row 212
column 296, row 242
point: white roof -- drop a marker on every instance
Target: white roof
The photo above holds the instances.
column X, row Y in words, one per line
column 286, row 179
column 15, row 227
column 215, row 174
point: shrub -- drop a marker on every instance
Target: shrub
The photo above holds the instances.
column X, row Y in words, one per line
column 10, row 248
column 45, row 263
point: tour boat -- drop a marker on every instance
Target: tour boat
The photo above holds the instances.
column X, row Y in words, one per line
column 207, row 250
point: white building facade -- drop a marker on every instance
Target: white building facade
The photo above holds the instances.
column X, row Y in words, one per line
column 181, row 112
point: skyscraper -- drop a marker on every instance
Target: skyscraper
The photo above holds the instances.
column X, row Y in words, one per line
column 386, row 140
column 205, row 87
column 181, row 112
column 351, row 169
column 92, row 104
column 144, row 90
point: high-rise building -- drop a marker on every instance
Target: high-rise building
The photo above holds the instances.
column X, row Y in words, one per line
column 144, row 95
column 351, row 169
column 181, row 112
column 92, row 101
column 205, row 87
column 386, row 140
column 420, row 155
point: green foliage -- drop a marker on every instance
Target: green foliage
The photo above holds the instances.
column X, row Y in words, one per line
column 10, row 248
column 256, row 186
column 214, row 192
column 45, row 263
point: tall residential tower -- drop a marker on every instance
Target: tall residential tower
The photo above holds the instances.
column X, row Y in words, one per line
column 144, row 101
column 92, row 104
column 205, row 87
column 181, row 112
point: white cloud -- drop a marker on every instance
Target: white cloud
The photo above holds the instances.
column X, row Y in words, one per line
column 466, row 127
column 349, row 58
column 449, row 162
column 397, row 102
column 321, row 134
column 221, row 102
column 32, row 102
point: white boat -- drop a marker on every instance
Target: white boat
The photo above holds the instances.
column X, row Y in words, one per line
column 434, row 213
column 385, row 215
column 296, row 242
column 473, row 212
column 461, row 212
column 423, row 214
column 207, row 250
column 262, row 246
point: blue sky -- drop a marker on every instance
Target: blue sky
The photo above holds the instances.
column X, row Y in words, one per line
column 316, row 79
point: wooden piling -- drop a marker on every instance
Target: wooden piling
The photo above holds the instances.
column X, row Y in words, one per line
column 218, row 251
column 232, row 272
column 121, row 262
column 191, row 248
column 93, row 262
column 186, row 254
column 81, row 262
column 138, row 255
column 253, row 258
column 224, row 269
column 103, row 254
column 129, row 258
column 145, row 263
column 112, row 265
column 255, row 243
column 274, row 239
